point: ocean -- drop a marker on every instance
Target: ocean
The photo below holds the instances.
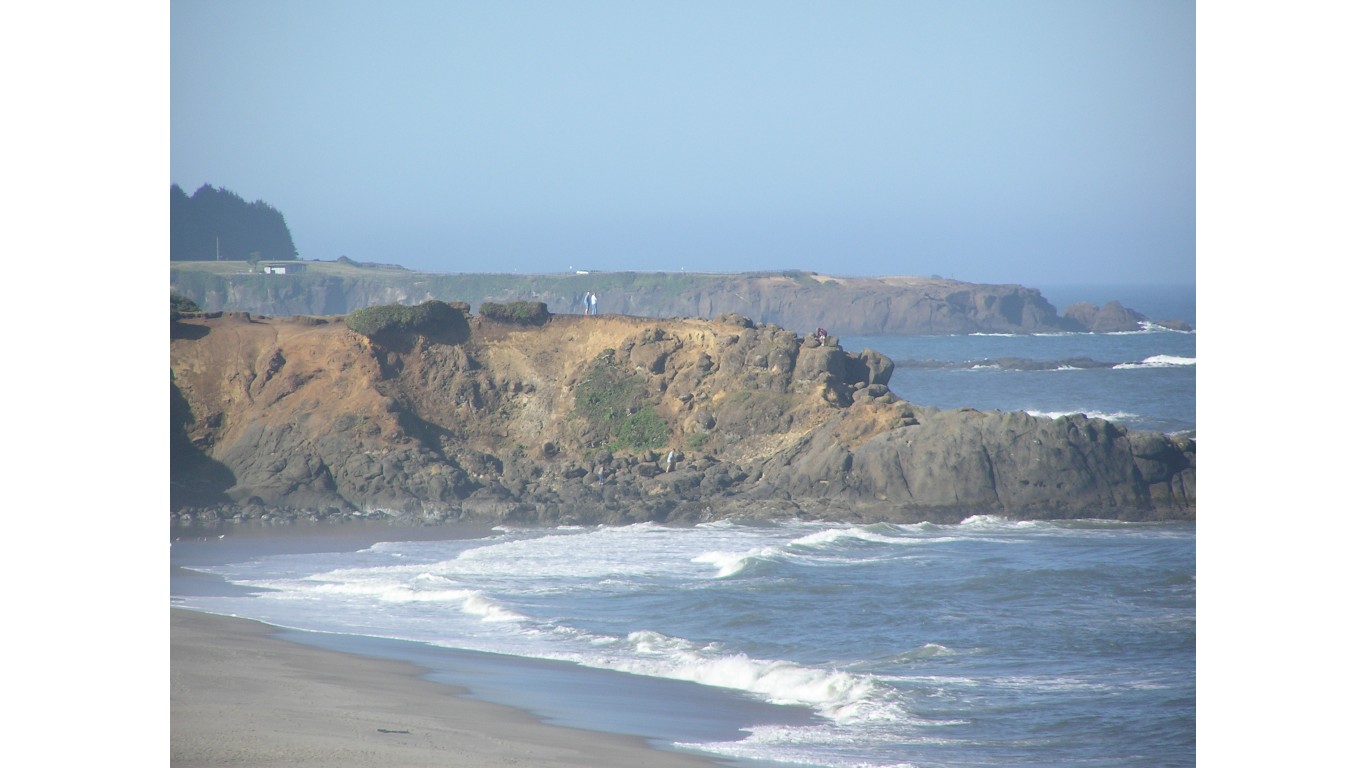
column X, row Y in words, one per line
column 1144, row 379
column 989, row 642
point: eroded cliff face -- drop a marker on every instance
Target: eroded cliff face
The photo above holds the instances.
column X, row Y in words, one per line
column 573, row 422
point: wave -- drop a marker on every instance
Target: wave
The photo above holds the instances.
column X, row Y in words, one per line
column 1152, row 327
column 839, row 544
column 730, row 563
column 574, row 554
column 1052, row 684
column 1158, row 361
column 1021, row 364
column 997, row 521
column 838, row 535
column 380, row 585
column 1007, row 364
column 986, row 521
column 823, row 543
column 926, row 651
column 1087, row 412
column 912, row 657
column 827, row 745
column 1144, row 327
column 488, row 610
column 841, row 696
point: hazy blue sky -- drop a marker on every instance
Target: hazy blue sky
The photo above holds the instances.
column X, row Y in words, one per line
column 1030, row 141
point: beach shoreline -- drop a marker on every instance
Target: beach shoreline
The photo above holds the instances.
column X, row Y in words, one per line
column 241, row 696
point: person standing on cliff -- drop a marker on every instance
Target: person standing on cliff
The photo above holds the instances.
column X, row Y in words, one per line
column 586, row 298
column 593, row 301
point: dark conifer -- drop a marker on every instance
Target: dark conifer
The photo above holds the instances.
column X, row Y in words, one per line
column 216, row 223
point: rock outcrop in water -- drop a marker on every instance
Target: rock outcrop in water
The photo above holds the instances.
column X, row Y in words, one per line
column 573, row 421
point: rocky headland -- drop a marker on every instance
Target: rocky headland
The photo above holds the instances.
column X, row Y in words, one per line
column 569, row 419
column 850, row 306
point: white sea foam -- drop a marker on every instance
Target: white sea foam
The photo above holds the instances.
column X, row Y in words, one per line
column 985, row 521
column 715, row 525
column 1146, row 327
column 1158, row 361
column 946, row 681
column 597, row 554
column 840, row 696
column 835, row 694
column 731, row 563
column 1155, row 328
column 926, row 651
column 405, row 594
column 822, row 543
column 655, row 643
column 836, row 535
column 824, row 745
column 1088, row 412
column 782, row 744
column 488, row 610
column 1050, row 684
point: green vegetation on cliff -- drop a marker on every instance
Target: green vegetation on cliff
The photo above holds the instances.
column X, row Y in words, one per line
column 617, row 408
column 518, row 312
column 397, row 318
column 182, row 305
column 642, row 430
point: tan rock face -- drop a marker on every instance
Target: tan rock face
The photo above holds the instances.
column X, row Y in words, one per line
column 305, row 416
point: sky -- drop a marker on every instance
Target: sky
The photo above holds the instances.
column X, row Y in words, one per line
column 1001, row 141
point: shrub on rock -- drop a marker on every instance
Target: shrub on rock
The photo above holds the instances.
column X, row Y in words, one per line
column 517, row 312
column 398, row 318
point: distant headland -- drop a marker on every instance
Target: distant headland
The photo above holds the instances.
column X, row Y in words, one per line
column 850, row 306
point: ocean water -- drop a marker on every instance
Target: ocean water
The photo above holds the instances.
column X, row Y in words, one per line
column 986, row 643
column 989, row 642
column 1144, row 379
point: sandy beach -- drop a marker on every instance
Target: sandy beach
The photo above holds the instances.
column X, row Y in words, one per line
column 242, row 697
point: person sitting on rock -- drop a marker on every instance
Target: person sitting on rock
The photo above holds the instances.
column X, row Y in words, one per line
column 821, row 336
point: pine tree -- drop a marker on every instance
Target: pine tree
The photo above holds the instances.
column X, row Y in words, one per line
column 216, row 223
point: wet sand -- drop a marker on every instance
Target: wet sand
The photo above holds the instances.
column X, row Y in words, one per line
column 240, row 696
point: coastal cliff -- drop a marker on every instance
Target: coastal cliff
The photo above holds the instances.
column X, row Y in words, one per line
column 573, row 420
column 850, row 306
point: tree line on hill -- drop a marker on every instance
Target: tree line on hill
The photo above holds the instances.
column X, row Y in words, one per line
column 216, row 223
